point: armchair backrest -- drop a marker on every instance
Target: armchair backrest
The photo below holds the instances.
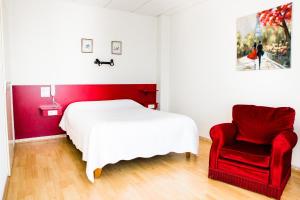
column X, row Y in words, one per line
column 260, row 124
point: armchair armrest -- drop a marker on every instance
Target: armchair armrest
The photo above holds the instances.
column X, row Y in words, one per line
column 282, row 146
column 221, row 135
column 284, row 141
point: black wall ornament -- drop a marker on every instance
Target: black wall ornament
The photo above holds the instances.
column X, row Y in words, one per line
column 98, row 62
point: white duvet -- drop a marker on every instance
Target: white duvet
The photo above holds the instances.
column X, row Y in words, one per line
column 109, row 131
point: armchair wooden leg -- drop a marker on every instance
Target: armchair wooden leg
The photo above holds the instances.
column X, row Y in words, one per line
column 188, row 155
column 97, row 172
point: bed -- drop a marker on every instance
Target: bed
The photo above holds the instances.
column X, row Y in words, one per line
column 109, row 131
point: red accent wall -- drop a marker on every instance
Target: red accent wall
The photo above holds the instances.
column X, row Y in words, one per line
column 29, row 121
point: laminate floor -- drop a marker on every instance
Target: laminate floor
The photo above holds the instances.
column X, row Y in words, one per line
column 53, row 169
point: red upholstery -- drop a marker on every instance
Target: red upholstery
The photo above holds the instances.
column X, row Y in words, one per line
column 259, row 124
column 257, row 174
column 248, row 153
column 255, row 150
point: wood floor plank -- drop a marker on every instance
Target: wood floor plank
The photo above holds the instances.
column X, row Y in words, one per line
column 53, row 169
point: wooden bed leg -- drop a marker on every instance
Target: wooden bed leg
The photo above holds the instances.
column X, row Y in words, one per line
column 97, row 172
column 188, row 155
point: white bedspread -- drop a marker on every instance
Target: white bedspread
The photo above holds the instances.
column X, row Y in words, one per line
column 109, row 131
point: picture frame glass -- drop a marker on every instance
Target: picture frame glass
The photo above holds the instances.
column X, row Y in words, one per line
column 116, row 47
column 86, row 45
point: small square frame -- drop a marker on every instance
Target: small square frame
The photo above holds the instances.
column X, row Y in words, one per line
column 86, row 45
column 116, row 47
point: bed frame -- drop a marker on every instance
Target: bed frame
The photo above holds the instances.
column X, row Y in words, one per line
column 97, row 172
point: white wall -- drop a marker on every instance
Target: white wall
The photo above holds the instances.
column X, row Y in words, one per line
column 203, row 79
column 3, row 133
column 163, row 58
column 43, row 43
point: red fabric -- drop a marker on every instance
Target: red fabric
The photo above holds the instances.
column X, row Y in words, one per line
column 252, row 55
column 259, row 124
column 248, row 153
column 222, row 134
column 249, row 184
column 281, row 156
column 255, row 151
column 247, row 171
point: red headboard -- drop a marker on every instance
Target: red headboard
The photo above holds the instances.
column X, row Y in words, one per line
column 29, row 121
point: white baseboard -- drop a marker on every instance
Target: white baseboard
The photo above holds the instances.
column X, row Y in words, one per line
column 35, row 139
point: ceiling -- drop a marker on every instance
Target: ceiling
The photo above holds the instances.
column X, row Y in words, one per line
column 144, row 7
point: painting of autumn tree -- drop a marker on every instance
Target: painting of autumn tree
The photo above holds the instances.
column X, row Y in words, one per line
column 264, row 39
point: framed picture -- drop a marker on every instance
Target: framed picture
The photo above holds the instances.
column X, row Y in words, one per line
column 116, row 47
column 264, row 39
column 86, row 45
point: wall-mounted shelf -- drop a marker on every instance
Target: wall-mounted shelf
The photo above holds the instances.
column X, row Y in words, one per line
column 51, row 110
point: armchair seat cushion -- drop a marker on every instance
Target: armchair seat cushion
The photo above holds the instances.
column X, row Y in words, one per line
column 247, row 153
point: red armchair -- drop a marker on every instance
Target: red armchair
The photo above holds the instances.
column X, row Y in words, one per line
column 255, row 150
